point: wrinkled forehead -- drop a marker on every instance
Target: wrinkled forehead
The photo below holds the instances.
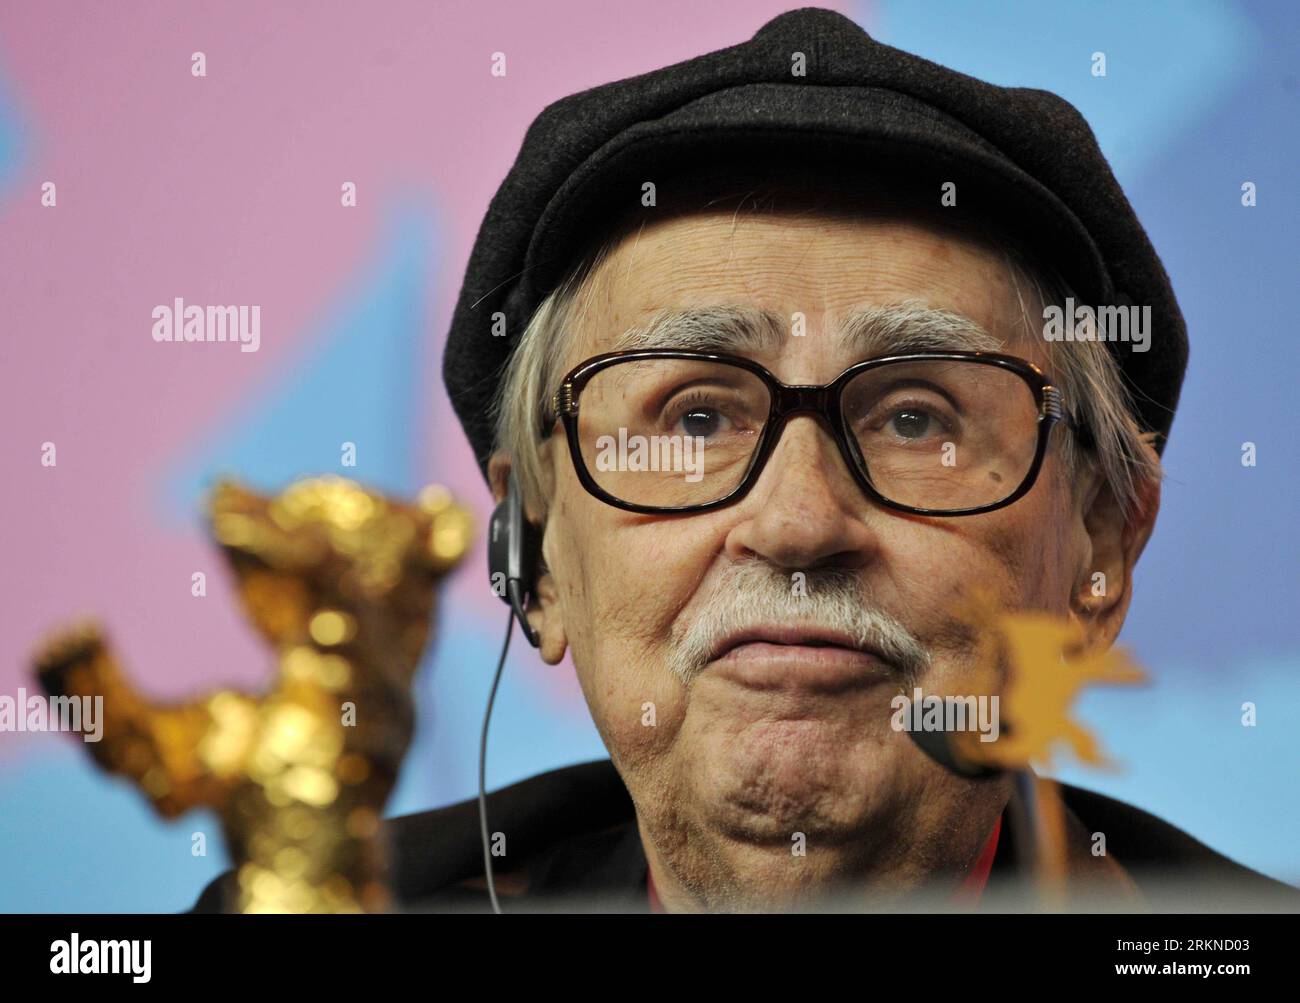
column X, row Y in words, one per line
column 849, row 280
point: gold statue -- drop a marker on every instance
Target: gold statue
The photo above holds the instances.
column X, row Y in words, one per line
column 1047, row 667
column 341, row 581
column 1037, row 664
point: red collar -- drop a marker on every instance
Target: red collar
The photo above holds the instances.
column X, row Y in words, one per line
column 968, row 892
column 972, row 885
column 655, row 904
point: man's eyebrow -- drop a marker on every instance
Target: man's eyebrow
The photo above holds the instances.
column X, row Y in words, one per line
column 912, row 327
column 741, row 330
column 867, row 332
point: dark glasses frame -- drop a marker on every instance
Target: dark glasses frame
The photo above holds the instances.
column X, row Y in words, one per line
column 822, row 401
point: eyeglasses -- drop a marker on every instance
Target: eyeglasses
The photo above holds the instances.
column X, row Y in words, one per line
column 932, row 433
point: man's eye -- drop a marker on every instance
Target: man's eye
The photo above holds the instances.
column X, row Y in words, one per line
column 912, row 424
column 701, row 421
column 903, row 424
column 706, row 414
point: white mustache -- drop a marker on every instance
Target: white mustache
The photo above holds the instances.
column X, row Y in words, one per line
column 751, row 593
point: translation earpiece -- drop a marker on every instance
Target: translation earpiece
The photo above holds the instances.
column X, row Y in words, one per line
column 513, row 549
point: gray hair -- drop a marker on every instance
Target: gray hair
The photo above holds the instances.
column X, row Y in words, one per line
column 1088, row 375
column 750, row 592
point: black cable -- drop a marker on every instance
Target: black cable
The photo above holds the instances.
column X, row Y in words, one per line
column 482, row 769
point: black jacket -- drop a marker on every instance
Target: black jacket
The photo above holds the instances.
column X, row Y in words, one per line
column 574, row 846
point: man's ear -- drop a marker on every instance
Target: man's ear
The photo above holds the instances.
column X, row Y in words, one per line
column 543, row 609
column 498, row 474
column 545, row 613
column 1104, row 586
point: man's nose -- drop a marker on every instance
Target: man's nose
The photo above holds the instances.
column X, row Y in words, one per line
column 806, row 511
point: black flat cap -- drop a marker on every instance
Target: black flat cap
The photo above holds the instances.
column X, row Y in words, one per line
column 1024, row 158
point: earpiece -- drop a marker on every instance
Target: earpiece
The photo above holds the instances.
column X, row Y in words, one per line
column 514, row 546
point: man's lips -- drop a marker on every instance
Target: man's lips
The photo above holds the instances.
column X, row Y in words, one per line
column 796, row 659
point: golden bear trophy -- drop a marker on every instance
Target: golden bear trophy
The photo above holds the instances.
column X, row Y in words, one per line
column 341, row 581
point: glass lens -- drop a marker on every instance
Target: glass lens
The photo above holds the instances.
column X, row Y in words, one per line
column 671, row 432
column 939, row 434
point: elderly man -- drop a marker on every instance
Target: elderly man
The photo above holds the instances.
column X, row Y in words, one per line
column 753, row 349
